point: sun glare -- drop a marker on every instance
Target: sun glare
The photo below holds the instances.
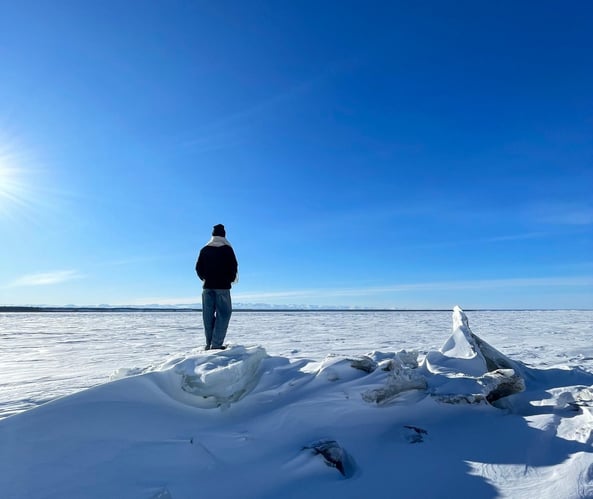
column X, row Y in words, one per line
column 13, row 188
column 25, row 187
column 6, row 176
column 9, row 184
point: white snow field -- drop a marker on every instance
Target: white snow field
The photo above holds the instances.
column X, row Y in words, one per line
column 468, row 419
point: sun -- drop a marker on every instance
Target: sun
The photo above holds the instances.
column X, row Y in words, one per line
column 23, row 183
column 9, row 183
column 6, row 176
column 13, row 188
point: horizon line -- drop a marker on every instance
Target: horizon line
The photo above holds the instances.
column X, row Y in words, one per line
column 134, row 308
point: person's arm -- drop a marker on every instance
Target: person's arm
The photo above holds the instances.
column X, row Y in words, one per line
column 200, row 267
column 234, row 266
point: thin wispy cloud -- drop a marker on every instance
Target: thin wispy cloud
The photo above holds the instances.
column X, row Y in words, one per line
column 575, row 217
column 230, row 130
column 310, row 295
column 216, row 140
column 484, row 240
column 485, row 284
column 515, row 237
column 563, row 213
column 46, row 278
column 137, row 259
column 161, row 300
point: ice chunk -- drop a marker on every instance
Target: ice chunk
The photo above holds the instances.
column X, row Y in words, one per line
column 501, row 383
column 468, row 369
column 222, row 377
column 364, row 363
column 465, row 353
column 401, row 378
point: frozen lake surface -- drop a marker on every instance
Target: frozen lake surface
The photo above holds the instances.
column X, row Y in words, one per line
column 294, row 407
column 48, row 355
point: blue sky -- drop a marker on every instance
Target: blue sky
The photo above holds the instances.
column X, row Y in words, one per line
column 373, row 154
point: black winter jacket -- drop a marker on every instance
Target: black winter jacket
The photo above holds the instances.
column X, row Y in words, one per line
column 217, row 267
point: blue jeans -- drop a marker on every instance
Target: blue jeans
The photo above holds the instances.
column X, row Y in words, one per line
column 216, row 313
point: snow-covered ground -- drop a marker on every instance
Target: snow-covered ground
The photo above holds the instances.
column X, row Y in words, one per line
column 467, row 418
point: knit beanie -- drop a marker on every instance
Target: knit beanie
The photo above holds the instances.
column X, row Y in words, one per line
column 219, row 230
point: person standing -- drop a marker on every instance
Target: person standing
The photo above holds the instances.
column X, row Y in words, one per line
column 217, row 268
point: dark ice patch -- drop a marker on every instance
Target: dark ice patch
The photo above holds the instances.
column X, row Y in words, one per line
column 413, row 434
column 334, row 456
